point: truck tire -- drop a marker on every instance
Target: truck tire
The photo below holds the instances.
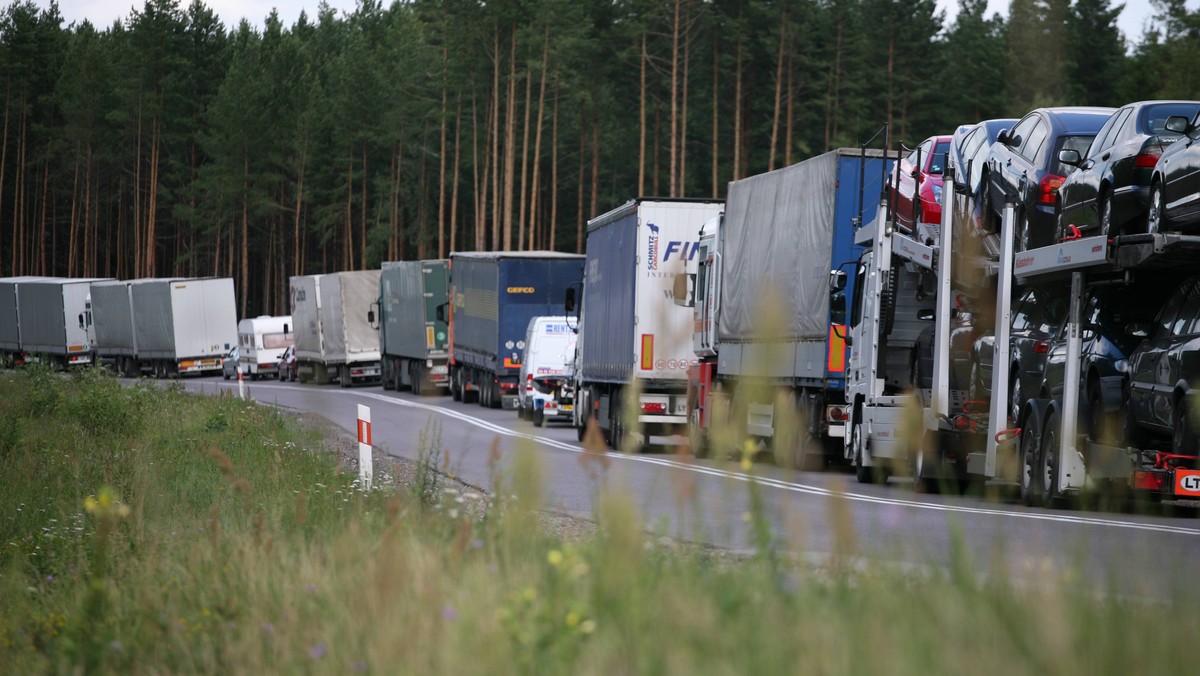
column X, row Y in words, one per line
column 389, row 373
column 539, row 418
column 344, row 375
column 1029, row 453
column 1048, row 465
column 456, row 393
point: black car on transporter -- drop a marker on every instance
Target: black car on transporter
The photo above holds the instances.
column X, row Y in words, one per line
column 1024, row 166
column 1109, row 192
column 1175, row 185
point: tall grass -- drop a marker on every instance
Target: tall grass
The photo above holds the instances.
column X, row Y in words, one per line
column 144, row 530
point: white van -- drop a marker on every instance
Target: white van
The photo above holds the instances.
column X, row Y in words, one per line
column 261, row 342
column 545, row 392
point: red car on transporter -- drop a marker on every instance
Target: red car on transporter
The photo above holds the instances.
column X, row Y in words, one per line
column 916, row 183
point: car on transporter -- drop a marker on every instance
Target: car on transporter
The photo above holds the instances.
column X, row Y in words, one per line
column 1109, row 191
column 1024, row 167
column 1175, row 185
column 1163, row 371
column 916, row 183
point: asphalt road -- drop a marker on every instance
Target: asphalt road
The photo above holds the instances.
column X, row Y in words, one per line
column 818, row 516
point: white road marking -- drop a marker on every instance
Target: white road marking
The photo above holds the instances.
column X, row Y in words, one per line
column 760, row 480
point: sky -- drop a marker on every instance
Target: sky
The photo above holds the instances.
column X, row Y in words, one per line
column 102, row 13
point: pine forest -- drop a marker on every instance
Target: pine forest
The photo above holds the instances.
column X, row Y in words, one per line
column 171, row 144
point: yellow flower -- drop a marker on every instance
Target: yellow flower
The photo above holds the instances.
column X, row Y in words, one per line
column 746, row 464
column 555, row 557
column 572, row 618
column 588, row 626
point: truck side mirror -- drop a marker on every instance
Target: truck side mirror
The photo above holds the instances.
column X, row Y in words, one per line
column 837, row 280
column 925, row 314
column 81, row 320
column 681, row 290
column 285, row 329
column 440, row 312
column 371, row 315
column 569, row 301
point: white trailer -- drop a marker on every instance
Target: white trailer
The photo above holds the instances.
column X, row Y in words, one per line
column 334, row 338
column 261, row 342
column 182, row 326
column 644, row 338
column 56, row 322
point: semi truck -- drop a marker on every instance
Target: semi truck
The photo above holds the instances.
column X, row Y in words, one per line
column 181, row 326
column 1047, row 449
column 769, row 334
column 334, row 339
column 641, row 340
column 412, row 340
column 493, row 297
column 112, row 319
column 11, row 351
column 56, row 321
column 261, row 342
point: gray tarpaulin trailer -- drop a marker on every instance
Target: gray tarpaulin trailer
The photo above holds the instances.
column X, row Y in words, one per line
column 334, row 339
column 56, row 323
column 11, row 351
column 183, row 326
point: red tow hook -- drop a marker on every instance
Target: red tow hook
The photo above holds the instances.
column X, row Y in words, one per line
column 1006, row 435
column 1072, row 233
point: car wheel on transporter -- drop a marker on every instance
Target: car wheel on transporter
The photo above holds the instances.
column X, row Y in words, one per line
column 1014, row 394
column 1106, row 217
column 1156, row 220
column 1183, row 435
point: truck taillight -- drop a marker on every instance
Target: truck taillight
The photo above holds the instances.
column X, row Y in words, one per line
column 835, row 414
column 508, row 386
column 1049, row 188
column 529, row 383
column 654, row 407
column 1148, row 481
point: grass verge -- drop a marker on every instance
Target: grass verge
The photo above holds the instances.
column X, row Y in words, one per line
column 144, row 530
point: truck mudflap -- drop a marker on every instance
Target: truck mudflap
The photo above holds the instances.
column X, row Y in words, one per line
column 199, row 365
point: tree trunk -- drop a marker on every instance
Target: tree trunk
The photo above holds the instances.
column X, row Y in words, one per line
column 454, row 181
column 582, row 175
column 778, row 87
column 791, row 113
column 537, row 141
column 524, row 162
column 554, row 176
column 496, row 201
column 362, row 261
column 244, row 290
column 641, row 123
column 673, row 145
column 595, row 162
column 681, row 185
column 510, row 144
column 737, row 109
column 348, row 228
column 297, row 259
column 716, row 110
column 73, row 224
column 442, row 160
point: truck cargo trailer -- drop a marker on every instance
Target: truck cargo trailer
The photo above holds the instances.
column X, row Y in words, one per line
column 635, row 336
column 56, row 321
column 412, row 339
column 334, row 339
column 11, row 351
column 493, row 297
column 182, row 326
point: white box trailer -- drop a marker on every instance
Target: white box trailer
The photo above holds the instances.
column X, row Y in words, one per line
column 633, row 254
column 183, row 326
column 55, row 321
column 11, row 351
column 334, row 339
column 261, row 342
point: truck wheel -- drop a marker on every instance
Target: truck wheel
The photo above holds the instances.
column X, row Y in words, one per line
column 414, row 371
column 1049, row 461
column 456, row 393
column 861, row 472
column 344, row 375
column 924, row 469
column 389, row 375
column 539, row 418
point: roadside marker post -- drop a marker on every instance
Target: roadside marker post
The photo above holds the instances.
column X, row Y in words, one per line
column 241, row 385
column 365, row 469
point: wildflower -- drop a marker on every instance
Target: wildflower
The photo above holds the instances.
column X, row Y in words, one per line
column 530, row 594
column 746, row 517
column 555, row 557
column 588, row 626
column 449, row 613
column 268, row 628
column 572, row 619
column 318, row 651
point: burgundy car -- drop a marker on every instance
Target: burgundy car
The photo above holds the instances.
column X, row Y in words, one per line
column 917, row 190
column 287, row 364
